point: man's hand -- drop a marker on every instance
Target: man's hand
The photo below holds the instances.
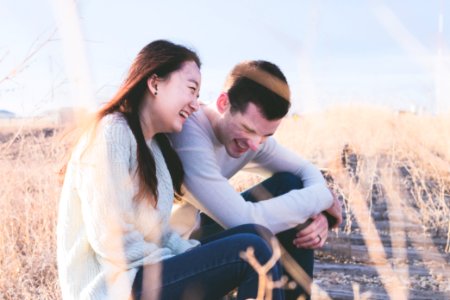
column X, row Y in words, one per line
column 314, row 235
column 334, row 213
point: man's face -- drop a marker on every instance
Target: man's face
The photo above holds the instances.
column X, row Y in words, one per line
column 240, row 132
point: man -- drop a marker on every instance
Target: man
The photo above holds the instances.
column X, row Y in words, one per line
column 236, row 133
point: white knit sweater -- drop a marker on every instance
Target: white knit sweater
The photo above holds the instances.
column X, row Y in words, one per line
column 103, row 235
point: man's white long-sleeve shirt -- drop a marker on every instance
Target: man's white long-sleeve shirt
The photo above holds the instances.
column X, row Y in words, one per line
column 208, row 167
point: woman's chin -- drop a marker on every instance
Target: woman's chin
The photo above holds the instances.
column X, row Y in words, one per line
column 177, row 128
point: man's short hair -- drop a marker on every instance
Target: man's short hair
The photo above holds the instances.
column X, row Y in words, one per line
column 261, row 83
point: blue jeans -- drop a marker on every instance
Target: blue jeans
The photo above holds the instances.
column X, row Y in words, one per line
column 278, row 184
column 213, row 269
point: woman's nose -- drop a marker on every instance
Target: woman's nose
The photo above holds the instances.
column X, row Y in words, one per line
column 195, row 104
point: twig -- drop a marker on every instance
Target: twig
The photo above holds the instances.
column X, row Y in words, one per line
column 265, row 283
column 35, row 47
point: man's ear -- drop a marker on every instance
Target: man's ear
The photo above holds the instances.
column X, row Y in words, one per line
column 222, row 103
column 152, row 84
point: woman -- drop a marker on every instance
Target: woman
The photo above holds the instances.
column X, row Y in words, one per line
column 113, row 236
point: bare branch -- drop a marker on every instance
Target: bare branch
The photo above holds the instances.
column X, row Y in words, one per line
column 4, row 56
column 265, row 283
column 35, row 47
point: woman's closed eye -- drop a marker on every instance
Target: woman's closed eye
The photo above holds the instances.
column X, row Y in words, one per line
column 194, row 91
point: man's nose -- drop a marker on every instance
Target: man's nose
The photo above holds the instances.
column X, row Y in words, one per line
column 254, row 142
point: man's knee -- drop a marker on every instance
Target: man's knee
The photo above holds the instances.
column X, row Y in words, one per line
column 289, row 180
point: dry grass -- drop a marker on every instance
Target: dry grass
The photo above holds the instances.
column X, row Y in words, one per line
column 402, row 159
column 405, row 157
column 29, row 194
column 413, row 151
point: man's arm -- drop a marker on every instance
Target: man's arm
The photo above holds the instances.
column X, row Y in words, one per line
column 214, row 195
column 277, row 158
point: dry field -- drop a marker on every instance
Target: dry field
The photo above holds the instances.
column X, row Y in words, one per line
column 392, row 172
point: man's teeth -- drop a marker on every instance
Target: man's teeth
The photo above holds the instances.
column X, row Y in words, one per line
column 241, row 144
column 184, row 114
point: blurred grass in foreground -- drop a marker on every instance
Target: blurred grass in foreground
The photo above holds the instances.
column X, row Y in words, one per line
column 368, row 152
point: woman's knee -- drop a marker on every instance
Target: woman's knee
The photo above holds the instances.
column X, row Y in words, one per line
column 256, row 229
column 262, row 248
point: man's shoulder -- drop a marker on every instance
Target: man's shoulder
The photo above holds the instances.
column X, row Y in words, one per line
column 195, row 130
column 197, row 120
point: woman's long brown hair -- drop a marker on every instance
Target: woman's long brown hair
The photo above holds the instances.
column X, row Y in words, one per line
column 161, row 58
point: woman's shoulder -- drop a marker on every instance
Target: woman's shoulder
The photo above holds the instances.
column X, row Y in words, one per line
column 115, row 119
column 115, row 127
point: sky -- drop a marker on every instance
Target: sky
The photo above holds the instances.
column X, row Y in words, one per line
column 58, row 53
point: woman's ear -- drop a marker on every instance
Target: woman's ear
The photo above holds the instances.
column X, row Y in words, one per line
column 152, row 84
column 222, row 102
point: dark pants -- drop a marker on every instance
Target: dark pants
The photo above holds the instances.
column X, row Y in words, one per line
column 213, row 269
column 278, row 184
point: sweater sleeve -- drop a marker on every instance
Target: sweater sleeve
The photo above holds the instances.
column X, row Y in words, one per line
column 106, row 190
column 213, row 193
column 179, row 245
column 275, row 158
